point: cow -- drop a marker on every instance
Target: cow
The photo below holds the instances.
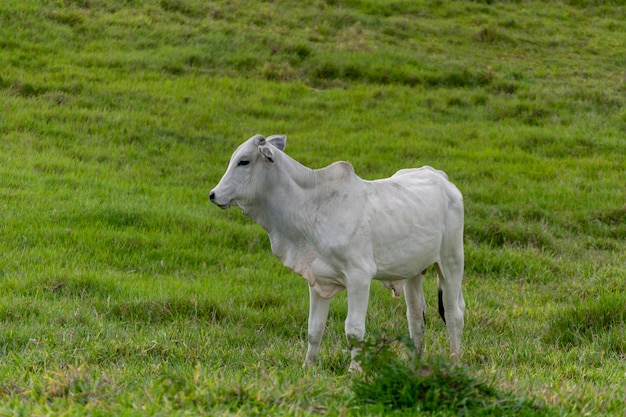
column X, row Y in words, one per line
column 339, row 231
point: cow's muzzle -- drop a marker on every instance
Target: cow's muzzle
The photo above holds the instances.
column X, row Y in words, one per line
column 213, row 199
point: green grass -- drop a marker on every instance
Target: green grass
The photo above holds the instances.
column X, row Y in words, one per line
column 123, row 291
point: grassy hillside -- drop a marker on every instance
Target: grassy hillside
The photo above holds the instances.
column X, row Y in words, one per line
column 123, row 291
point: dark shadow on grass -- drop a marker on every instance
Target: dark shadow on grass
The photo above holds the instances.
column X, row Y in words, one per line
column 599, row 319
column 164, row 310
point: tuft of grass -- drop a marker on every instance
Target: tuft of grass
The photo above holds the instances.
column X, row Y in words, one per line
column 431, row 386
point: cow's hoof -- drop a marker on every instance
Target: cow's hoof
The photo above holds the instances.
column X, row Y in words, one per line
column 355, row 368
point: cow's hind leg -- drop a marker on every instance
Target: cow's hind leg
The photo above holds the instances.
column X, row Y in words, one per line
column 415, row 310
column 318, row 314
column 452, row 303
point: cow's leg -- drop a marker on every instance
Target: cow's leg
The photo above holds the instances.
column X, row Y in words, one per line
column 415, row 309
column 318, row 313
column 450, row 277
column 358, row 298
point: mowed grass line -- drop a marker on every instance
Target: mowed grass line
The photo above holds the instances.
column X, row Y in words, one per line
column 123, row 292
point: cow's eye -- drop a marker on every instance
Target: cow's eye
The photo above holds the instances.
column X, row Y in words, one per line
column 243, row 162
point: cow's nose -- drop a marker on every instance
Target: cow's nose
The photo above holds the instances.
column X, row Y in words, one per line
column 212, row 196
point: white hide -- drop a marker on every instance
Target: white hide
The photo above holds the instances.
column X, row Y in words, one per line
column 339, row 231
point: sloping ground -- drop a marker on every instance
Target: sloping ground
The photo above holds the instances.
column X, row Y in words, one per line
column 122, row 291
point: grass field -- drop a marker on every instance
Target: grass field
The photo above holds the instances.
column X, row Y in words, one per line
column 124, row 292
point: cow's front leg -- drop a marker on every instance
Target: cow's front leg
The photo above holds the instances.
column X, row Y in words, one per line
column 358, row 297
column 318, row 313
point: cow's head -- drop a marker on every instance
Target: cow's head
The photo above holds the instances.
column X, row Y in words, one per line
column 244, row 176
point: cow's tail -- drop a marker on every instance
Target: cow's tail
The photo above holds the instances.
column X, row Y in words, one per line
column 441, row 309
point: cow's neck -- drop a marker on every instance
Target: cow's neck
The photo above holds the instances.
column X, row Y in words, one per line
column 282, row 208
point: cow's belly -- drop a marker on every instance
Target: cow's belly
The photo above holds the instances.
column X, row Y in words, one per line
column 403, row 268
column 406, row 258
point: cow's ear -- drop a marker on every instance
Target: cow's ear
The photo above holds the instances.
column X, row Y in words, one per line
column 278, row 140
column 267, row 153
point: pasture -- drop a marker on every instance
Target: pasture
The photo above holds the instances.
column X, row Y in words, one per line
column 124, row 291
